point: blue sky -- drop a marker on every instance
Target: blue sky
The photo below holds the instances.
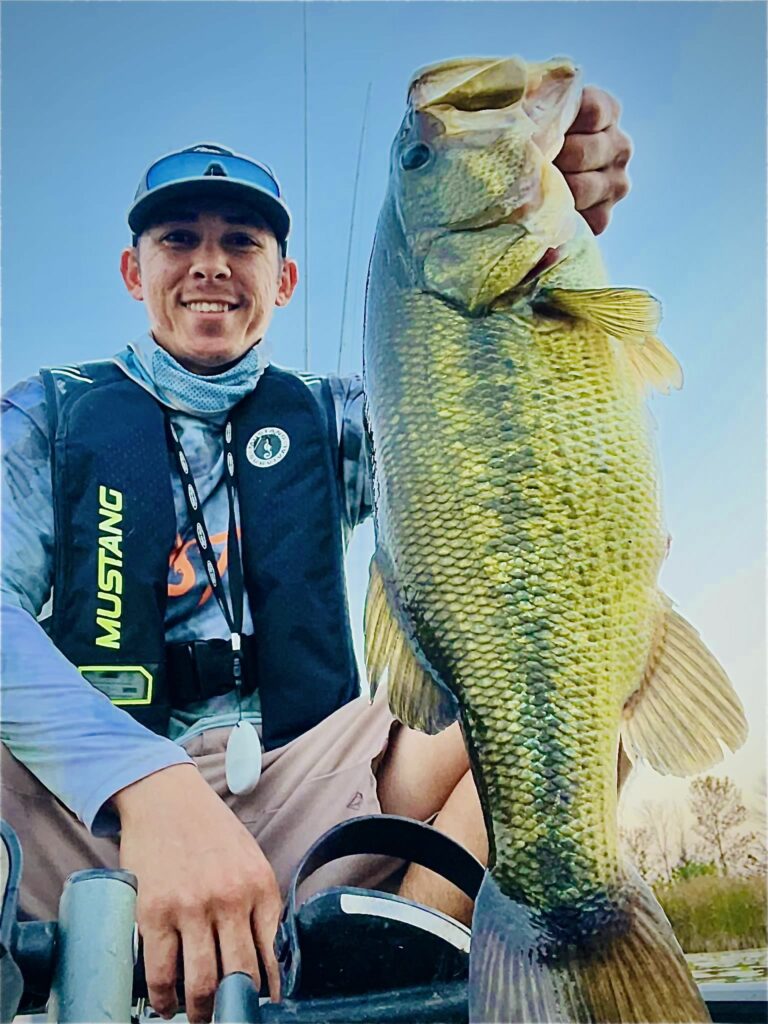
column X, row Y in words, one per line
column 93, row 91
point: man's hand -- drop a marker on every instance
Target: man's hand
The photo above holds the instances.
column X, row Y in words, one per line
column 594, row 158
column 206, row 892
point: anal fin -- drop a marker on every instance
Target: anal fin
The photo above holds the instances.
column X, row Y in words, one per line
column 685, row 707
column 416, row 695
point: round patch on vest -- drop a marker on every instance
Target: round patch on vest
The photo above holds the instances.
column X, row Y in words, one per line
column 267, row 447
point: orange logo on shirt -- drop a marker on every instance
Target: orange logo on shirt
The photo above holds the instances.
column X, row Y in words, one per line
column 180, row 564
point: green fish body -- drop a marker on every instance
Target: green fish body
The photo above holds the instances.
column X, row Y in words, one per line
column 519, row 539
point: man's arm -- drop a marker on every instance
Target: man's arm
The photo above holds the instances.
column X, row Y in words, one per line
column 71, row 737
column 355, row 451
column 203, row 880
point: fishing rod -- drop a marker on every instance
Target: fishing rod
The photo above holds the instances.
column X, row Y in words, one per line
column 306, row 195
column 352, row 226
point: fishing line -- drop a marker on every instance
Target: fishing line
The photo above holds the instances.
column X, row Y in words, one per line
column 352, row 226
column 306, row 196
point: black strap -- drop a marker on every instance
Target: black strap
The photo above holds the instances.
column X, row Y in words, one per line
column 233, row 616
column 393, row 836
column 201, row 669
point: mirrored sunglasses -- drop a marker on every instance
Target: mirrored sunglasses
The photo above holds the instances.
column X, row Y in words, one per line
column 180, row 166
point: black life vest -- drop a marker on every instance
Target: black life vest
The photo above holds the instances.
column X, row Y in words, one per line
column 115, row 527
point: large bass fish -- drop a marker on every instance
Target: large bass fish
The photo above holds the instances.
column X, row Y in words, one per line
column 519, row 539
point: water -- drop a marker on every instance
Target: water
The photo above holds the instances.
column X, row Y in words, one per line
column 731, row 965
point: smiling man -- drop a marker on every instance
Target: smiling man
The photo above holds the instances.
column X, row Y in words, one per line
column 210, row 278
column 190, row 709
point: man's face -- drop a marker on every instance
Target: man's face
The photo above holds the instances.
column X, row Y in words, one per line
column 210, row 278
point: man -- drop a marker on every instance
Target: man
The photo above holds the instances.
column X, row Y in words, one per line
column 182, row 445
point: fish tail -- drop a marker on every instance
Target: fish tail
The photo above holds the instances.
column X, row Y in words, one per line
column 633, row 970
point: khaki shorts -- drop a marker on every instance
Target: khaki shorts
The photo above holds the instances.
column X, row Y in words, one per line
column 322, row 778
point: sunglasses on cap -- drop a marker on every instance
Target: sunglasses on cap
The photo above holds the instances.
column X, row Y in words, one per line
column 196, row 170
column 209, row 163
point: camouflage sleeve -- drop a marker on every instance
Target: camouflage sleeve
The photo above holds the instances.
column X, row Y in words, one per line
column 355, row 458
column 27, row 506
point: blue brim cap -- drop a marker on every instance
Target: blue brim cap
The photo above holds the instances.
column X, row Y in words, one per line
column 204, row 172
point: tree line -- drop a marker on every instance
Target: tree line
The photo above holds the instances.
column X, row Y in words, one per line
column 719, row 843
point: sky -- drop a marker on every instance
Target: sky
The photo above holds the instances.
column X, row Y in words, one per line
column 93, row 92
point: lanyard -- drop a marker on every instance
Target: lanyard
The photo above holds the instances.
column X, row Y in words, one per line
column 233, row 616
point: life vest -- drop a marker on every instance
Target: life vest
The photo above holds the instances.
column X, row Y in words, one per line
column 115, row 528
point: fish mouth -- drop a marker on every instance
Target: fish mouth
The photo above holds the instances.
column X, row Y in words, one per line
column 470, row 84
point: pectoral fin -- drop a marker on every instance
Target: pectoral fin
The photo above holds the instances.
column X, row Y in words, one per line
column 632, row 317
column 416, row 695
column 685, row 708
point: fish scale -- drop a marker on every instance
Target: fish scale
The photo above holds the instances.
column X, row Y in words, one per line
column 519, row 539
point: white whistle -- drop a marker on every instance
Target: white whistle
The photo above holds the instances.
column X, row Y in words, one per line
column 243, row 759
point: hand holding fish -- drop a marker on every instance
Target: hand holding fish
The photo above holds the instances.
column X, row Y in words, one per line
column 594, row 158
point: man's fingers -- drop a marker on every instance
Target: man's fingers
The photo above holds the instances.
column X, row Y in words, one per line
column 264, row 933
column 588, row 188
column 594, row 157
column 598, row 217
column 199, row 872
column 161, row 951
column 237, row 948
column 201, row 971
column 593, row 187
column 593, row 152
column 598, row 110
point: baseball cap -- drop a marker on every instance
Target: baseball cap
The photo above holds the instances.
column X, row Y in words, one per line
column 207, row 170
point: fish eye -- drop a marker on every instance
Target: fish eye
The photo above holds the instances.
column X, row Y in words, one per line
column 414, row 156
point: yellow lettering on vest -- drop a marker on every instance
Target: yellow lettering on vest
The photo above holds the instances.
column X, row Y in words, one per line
column 114, row 600
column 110, row 581
column 113, row 544
column 111, row 638
column 110, row 499
column 109, row 521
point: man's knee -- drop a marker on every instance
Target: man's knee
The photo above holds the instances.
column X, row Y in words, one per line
column 419, row 772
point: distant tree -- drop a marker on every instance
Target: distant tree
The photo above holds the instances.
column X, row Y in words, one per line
column 720, row 817
column 760, row 809
column 639, row 842
column 659, row 823
column 686, row 856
